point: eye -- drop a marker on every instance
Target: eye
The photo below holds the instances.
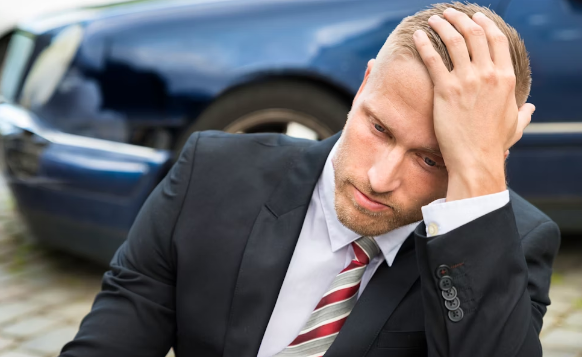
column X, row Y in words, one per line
column 379, row 128
column 429, row 162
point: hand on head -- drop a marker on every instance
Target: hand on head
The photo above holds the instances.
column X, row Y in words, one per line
column 476, row 117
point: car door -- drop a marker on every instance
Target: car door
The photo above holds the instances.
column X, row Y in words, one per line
column 546, row 165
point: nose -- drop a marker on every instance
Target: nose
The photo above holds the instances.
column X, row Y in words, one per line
column 385, row 175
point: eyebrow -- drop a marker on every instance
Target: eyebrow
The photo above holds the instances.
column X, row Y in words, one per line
column 373, row 114
column 370, row 112
column 433, row 151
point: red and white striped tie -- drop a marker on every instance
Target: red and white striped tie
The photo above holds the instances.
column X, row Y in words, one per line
column 335, row 306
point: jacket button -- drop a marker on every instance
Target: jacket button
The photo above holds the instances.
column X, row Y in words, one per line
column 442, row 271
column 446, row 282
column 450, row 294
column 452, row 304
column 456, row 315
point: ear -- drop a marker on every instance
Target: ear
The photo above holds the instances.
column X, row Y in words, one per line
column 366, row 76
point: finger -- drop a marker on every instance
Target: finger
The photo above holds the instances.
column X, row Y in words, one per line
column 474, row 36
column 523, row 119
column 498, row 43
column 454, row 41
column 432, row 60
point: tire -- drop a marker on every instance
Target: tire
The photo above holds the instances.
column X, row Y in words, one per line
column 271, row 107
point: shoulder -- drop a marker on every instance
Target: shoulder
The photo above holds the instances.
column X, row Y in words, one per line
column 244, row 140
column 240, row 149
column 529, row 218
column 219, row 158
column 219, row 144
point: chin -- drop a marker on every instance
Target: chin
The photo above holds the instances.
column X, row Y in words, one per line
column 364, row 222
column 370, row 223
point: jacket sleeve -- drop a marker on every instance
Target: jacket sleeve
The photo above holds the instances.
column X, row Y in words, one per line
column 134, row 314
column 502, row 282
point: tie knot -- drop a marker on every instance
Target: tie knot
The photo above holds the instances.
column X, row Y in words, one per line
column 366, row 249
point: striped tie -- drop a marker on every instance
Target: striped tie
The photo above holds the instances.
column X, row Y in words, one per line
column 334, row 308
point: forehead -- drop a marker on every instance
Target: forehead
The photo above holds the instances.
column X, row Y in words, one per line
column 403, row 83
column 400, row 94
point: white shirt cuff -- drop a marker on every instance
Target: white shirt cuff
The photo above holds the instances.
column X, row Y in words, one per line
column 441, row 217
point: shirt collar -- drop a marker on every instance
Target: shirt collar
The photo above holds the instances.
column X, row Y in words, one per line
column 340, row 235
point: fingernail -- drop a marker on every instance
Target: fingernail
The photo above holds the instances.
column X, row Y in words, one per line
column 435, row 18
column 450, row 9
column 417, row 33
column 478, row 14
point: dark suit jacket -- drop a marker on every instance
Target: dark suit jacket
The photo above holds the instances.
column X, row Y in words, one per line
column 205, row 259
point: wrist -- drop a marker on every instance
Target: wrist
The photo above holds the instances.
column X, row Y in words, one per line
column 476, row 181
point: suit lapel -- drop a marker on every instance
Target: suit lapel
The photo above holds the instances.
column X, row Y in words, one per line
column 269, row 250
column 382, row 295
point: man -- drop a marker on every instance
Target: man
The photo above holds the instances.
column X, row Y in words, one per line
column 266, row 245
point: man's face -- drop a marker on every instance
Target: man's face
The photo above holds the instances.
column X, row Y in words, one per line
column 387, row 164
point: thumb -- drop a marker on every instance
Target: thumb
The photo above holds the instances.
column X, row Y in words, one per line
column 523, row 119
column 524, row 115
column 530, row 108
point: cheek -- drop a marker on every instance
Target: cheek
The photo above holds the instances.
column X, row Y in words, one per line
column 358, row 145
column 423, row 187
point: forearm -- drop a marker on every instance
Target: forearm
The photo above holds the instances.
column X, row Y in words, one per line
column 480, row 181
column 132, row 316
column 490, row 274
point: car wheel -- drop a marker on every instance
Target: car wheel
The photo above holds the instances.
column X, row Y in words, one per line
column 290, row 107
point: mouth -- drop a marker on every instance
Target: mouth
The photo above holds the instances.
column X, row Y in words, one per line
column 369, row 204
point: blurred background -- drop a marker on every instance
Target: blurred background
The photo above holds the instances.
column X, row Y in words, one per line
column 97, row 97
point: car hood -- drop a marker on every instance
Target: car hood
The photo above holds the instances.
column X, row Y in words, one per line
column 118, row 14
column 13, row 13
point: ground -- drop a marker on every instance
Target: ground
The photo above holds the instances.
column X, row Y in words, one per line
column 45, row 294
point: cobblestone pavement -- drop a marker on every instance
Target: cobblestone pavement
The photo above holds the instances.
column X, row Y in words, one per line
column 45, row 294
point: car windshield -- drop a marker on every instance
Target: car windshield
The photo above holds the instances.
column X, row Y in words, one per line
column 19, row 50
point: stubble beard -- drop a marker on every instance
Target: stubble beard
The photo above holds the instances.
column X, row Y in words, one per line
column 368, row 223
column 358, row 219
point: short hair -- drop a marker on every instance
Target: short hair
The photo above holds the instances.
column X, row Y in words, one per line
column 400, row 40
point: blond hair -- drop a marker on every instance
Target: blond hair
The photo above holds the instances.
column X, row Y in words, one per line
column 400, row 41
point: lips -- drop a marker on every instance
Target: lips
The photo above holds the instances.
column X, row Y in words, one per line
column 368, row 203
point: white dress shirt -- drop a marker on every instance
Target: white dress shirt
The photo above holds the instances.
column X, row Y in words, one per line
column 323, row 250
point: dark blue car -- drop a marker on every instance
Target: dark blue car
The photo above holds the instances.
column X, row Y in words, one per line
column 97, row 102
